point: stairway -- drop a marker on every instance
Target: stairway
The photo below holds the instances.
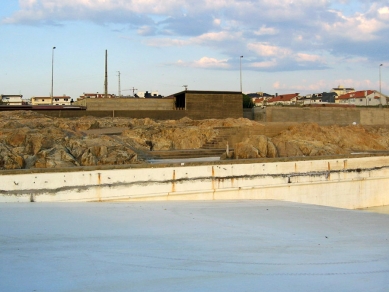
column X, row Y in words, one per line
column 221, row 140
column 185, row 153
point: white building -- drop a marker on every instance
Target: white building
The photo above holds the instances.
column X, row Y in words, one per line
column 47, row 100
column 142, row 94
column 12, row 99
column 341, row 90
column 62, row 100
column 363, row 98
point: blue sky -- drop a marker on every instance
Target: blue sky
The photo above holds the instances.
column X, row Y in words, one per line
column 288, row 45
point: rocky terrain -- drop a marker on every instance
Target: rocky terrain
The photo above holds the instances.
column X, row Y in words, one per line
column 31, row 140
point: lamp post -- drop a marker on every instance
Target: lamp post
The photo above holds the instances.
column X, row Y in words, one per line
column 380, row 79
column 52, row 74
column 240, row 61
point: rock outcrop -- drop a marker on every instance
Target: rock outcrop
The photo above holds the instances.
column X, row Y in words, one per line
column 31, row 140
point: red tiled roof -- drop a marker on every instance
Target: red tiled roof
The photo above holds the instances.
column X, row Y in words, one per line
column 284, row 97
column 356, row 94
column 258, row 100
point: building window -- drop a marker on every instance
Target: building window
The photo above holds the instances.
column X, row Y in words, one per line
column 57, row 99
column 65, row 99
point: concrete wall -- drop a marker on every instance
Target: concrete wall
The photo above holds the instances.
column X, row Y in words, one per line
column 214, row 105
column 324, row 116
column 339, row 182
column 374, row 116
column 152, row 114
column 198, row 105
column 248, row 113
column 138, row 104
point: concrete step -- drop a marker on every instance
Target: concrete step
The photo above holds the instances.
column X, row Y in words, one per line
column 185, row 153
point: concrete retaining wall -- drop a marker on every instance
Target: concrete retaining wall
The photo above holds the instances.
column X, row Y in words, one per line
column 345, row 183
column 324, row 116
column 156, row 115
column 130, row 104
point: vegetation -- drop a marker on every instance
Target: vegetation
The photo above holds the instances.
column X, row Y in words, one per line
column 247, row 102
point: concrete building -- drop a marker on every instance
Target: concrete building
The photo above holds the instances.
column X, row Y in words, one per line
column 41, row 100
column 142, row 94
column 319, row 98
column 95, row 95
column 62, row 100
column 340, row 90
column 259, row 101
column 12, row 99
column 209, row 104
column 189, row 103
column 47, row 100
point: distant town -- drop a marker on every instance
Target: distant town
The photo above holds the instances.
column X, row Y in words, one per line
column 339, row 95
column 17, row 99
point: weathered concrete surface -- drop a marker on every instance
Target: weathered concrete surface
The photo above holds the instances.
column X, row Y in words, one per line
column 192, row 246
column 324, row 116
column 345, row 183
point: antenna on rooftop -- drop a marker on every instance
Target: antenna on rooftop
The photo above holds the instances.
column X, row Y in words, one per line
column 186, row 87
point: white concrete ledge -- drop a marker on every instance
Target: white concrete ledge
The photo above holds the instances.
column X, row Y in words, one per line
column 345, row 183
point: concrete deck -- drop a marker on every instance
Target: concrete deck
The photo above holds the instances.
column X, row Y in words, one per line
column 191, row 246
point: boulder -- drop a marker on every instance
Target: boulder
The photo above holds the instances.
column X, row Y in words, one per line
column 9, row 160
column 244, row 150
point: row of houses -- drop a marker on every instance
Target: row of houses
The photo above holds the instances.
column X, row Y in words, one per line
column 17, row 99
column 36, row 100
column 339, row 95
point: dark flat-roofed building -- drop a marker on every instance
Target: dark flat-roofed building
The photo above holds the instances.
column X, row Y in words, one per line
column 210, row 104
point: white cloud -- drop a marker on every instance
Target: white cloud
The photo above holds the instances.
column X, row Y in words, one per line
column 264, row 64
column 301, row 57
column 270, row 32
column 146, row 30
column 167, row 42
column 266, row 50
column 315, row 87
column 383, row 13
column 217, row 21
column 206, row 62
column 264, row 30
column 358, row 27
column 207, row 38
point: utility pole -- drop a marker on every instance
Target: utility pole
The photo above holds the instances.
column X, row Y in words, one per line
column 119, row 91
column 52, row 75
column 106, row 75
column 240, row 59
column 133, row 91
column 380, row 79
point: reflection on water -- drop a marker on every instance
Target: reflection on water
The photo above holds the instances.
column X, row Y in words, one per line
column 380, row 209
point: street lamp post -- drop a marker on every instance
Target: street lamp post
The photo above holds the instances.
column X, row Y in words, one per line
column 52, row 75
column 380, row 79
column 240, row 61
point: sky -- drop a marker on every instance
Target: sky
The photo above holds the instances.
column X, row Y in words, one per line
column 288, row 46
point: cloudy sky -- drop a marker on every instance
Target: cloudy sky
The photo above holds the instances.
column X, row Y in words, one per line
column 303, row 46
